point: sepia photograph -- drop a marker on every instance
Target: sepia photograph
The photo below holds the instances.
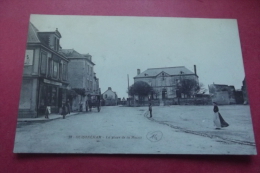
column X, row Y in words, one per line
column 133, row 85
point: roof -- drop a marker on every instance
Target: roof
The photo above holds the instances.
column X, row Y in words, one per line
column 72, row 54
column 109, row 90
column 32, row 36
column 152, row 72
column 56, row 32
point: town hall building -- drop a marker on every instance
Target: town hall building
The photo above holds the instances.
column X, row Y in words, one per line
column 165, row 81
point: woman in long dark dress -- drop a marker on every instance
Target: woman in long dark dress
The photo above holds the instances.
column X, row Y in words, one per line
column 218, row 119
column 64, row 110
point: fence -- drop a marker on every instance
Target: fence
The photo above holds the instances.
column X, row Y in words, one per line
column 174, row 101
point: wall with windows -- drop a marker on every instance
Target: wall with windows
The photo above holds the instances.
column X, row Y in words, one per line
column 31, row 61
column 76, row 73
column 52, row 66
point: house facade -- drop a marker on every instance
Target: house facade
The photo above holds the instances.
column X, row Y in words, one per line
column 222, row 94
column 244, row 91
column 45, row 74
column 110, row 97
column 81, row 75
column 165, row 81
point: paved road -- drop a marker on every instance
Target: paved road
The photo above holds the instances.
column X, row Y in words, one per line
column 117, row 130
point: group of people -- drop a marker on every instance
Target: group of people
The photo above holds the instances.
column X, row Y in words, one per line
column 63, row 110
column 218, row 120
column 92, row 102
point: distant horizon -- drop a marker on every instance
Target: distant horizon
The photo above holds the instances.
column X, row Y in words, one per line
column 121, row 45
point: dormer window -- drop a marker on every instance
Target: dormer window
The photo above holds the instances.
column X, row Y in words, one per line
column 56, row 43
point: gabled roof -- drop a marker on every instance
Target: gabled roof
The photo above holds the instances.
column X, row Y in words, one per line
column 110, row 91
column 32, row 36
column 72, row 54
column 152, row 72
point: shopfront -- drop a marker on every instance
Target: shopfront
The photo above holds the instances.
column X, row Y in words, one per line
column 51, row 93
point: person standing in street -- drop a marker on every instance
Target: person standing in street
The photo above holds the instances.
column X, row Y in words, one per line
column 150, row 109
column 216, row 119
column 47, row 112
column 86, row 103
column 90, row 104
column 64, row 110
column 68, row 105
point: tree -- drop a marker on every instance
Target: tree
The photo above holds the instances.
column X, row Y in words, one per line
column 141, row 89
column 202, row 88
column 81, row 92
column 71, row 94
column 189, row 87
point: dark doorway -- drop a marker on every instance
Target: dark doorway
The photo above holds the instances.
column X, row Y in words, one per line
column 60, row 98
column 164, row 93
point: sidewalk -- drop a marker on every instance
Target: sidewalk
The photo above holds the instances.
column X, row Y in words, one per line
column 51, row 117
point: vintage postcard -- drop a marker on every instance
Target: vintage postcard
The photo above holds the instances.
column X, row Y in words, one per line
column 133, row 85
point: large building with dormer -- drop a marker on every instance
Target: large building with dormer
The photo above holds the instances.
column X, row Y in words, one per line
column 165, row 81
column 45, row 74
column 81, row 75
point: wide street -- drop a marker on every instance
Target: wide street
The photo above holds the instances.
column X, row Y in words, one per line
column 173, row 129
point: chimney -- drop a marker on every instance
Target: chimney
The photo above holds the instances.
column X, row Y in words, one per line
column 109, row 88
column 195, row 70
column 138, row 71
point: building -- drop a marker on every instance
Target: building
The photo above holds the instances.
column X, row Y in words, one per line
column 81, row 75
column 110, row 97
column 45, row 74
column 244, row 91
column 166, row 81
column 222, row 94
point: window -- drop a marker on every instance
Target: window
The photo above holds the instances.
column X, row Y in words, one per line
column 43, row 63
column 53, row 95
column 55, row 69
column 60, row 71
column 49, row 67
column 55, row 44
column 64, row 71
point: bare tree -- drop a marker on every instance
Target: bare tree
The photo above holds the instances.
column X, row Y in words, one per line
column 189, row 87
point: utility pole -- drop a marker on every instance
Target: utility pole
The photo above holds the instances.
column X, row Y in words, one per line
column 128, row 83
column 128, row 101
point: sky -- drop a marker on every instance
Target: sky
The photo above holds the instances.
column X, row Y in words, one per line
column 121, row 45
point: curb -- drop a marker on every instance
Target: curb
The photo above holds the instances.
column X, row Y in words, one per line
column 42, row 119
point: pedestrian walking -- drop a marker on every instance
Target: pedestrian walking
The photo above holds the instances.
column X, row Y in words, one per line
column 80, row 106
column 218, row 119
column 98, row 103
column 150, row 109
column 64, row 110
column 90, row 104
column 47, row 112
